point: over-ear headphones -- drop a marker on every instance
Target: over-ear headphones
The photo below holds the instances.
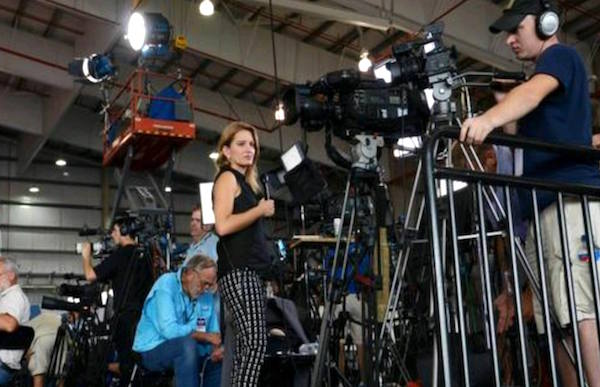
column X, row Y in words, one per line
column 547, row 21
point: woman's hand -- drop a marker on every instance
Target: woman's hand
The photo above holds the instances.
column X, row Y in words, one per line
column 267, row 207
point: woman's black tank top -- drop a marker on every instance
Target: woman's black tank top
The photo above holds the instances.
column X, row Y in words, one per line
column 245, row 248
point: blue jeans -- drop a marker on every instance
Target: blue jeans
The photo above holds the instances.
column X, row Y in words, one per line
column 5, row 375
column 182, row 355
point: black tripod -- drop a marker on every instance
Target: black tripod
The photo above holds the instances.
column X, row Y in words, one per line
column 366, row 172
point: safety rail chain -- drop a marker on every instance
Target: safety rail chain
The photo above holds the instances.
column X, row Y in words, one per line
column 452, row 376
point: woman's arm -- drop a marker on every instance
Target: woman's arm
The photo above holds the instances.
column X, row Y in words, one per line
column 226, row 222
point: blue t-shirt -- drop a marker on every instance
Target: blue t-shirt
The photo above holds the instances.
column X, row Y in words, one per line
column 563, row 117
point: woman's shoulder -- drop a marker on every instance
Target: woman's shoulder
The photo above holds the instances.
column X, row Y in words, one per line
column 227, row 178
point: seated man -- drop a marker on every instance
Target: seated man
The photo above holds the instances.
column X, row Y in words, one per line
column 46, row 327
column 14, row 311
column 179, row 328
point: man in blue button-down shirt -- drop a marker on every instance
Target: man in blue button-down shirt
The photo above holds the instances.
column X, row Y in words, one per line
column 204, row 239
column 179, row 328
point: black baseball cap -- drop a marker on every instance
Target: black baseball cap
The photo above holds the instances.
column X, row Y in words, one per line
column 515, row 12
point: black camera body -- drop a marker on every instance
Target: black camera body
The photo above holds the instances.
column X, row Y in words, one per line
column 351, row 104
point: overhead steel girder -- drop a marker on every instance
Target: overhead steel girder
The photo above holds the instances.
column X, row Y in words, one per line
column 466, row 26
column 232, row 43
column 33, row 57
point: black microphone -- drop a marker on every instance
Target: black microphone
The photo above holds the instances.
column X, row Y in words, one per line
column 510, row 75
column 89, row 231
column 265, row 180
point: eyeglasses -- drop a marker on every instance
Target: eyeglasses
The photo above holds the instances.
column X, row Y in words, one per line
column 205, row 284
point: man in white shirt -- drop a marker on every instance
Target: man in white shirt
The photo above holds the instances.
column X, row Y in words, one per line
column 14, row 310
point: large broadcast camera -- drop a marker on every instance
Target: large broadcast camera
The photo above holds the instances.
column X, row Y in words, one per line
column 353, row 107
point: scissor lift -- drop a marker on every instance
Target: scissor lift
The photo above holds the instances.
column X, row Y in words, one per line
column 135, row 139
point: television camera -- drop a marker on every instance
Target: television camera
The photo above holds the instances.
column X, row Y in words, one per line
column 372, row 112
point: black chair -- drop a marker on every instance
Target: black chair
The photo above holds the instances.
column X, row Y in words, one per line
column 142, row 377
column 18, row 340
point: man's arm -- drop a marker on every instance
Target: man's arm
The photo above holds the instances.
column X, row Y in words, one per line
column 518, row 102
column 208, row 337
column 166, row 318
column 8, row 323
column 88, row 269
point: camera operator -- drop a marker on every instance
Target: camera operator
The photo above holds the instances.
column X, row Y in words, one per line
column 131, row 278
column 553, row 105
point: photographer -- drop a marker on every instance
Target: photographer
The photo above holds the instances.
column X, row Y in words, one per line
column 131, row 278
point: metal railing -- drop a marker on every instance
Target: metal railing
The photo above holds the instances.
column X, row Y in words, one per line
column 449, row 289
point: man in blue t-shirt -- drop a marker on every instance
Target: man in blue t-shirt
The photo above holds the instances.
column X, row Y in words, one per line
column 552, row 106
column 179, row 328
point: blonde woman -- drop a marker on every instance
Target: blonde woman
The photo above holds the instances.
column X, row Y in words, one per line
column 242, row 247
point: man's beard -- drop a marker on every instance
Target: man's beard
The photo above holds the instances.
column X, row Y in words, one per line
column 4, row 284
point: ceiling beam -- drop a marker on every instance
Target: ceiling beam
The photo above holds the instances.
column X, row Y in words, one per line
column 588, row 31
column 17, row 16
column 230, row 74
column 52, row 21
column 346, row 39
column 581, row 18
column 253, row 85
column 201, row 67
column 318, row 31
column 386, row 42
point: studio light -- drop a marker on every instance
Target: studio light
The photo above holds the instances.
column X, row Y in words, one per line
column 60, row 162
column 168, row 188
column 206, row 8
column 213, row 155
column 136, row 31
column 280, row 113
column 364, row 64
column 149, row 32
column 94, row 68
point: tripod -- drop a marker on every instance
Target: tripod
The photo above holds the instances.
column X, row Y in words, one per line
column 414, row 223
column 364, row 169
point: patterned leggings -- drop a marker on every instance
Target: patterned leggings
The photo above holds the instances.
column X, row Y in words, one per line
column 243, row 292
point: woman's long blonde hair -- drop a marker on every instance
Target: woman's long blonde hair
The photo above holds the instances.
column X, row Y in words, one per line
column 225, row 140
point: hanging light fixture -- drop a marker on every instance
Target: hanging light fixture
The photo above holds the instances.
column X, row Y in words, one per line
column 280, row 113
column 207, row 8
column 364, row 64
